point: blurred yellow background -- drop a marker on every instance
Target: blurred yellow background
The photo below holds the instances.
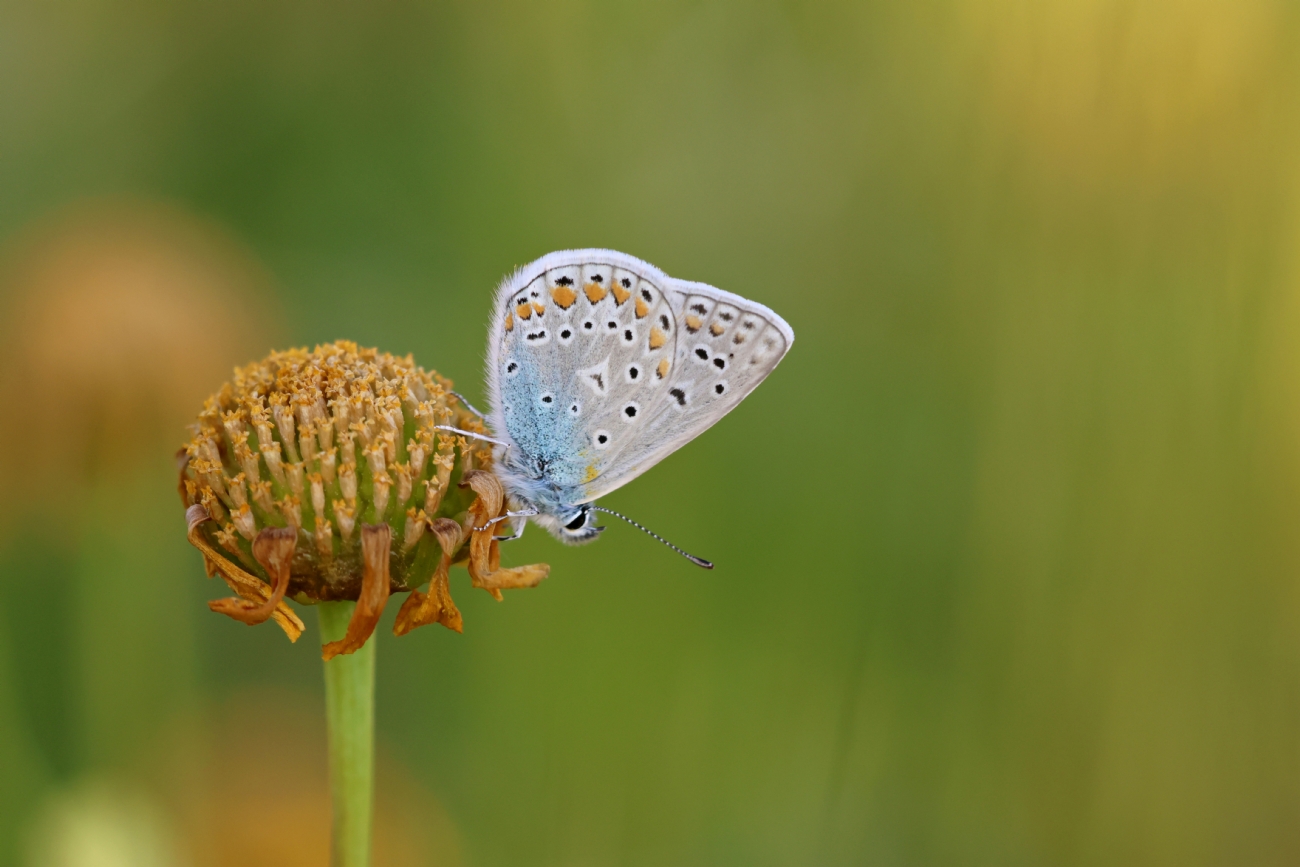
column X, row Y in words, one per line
column 1009, row 561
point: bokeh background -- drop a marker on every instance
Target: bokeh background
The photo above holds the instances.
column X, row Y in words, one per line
column 1009, row 561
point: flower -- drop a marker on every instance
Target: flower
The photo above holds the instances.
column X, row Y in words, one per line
column 335, row 475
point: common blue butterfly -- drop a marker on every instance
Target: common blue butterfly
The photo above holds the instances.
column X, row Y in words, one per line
column 599, row 366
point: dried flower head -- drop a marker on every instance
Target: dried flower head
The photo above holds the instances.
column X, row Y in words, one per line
column 329, row 475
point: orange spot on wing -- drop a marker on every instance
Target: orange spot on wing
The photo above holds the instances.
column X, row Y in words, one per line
column 642, row 309
column 663, row 368
column 525, row 310
column 564, row 296
column 539, row 308
column 595, row 292
column 510, row 322
column 693, row 323
column 657, row 338
column 620, row 294
column 716, row 329
column 590, row 473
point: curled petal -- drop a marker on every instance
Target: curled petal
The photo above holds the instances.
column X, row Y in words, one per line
column 436, row 606
column 488, row 488
column 247, row 586
column 484, row 551
column 376, row 542
column 273, row 549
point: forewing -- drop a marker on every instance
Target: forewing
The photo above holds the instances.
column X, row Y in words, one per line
column 584, row 342
column 723, row 347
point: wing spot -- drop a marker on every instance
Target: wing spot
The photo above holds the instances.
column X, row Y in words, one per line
column 620, row 295
column 564, row 296
column 575, row 409
column 632, row 373
column 564, row 281
column 512, row 367
column 601, row 439
column 662, row 370
column 679, row 395
column 611, row 325
column 725, row 316
column 663, row 320
column 749, row 324
column 588, row 325
column 702, row 354
column 720, row 363
column 537, row 335
column 631, row 410
column 738, row 339
column 720, row 388
column 642, row 309
column 524, row 311
column 566, row 334
column 594, row 291
column 716, row 329
column 510, row 322
column 596, row 278
column 548, row 398
column 627, row 284
column 645, row 293
column 628, row 336
column 693, row 324
column 699, row 308
column 657, row 338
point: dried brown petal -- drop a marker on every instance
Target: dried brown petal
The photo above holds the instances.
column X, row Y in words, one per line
column 248, row 586
column 376, row 541
column 436, row 606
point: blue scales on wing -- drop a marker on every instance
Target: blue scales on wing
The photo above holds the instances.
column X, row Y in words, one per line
column 585, row 356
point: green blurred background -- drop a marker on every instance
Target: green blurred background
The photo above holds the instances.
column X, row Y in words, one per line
column 1007, row 546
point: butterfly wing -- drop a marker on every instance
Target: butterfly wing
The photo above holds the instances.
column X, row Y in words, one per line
column 581, row 342
column 724, row 346
column 600, row 365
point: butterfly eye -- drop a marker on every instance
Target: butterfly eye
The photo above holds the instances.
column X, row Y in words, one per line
column 578, row 522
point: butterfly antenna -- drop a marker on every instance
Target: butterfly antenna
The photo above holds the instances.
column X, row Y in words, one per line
column 698, row 561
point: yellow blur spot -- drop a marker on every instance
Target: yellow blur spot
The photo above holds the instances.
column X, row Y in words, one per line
column 642, row 309
column 663, row 368
column 716, row 329
column 539, row 308
column 510, row 322
column 657, row 338
column 693, row 323
column 620, row 294
column 595, row 292
column 525, row 310
column 591, row 473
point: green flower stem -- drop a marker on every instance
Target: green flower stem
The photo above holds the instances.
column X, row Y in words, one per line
column 350, row 715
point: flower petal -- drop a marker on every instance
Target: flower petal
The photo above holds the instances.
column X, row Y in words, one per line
column 376, row 542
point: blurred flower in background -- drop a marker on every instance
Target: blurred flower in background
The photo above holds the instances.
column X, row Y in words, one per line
column 118, row 317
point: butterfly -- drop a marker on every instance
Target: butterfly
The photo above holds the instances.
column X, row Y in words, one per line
column 599, row 366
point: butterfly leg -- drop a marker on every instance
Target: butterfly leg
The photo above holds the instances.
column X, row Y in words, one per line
column 518, row 532
column 472, row 435
column 523, row 513
column 469, row 406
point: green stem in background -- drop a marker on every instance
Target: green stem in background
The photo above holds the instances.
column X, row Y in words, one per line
column 350, row 715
